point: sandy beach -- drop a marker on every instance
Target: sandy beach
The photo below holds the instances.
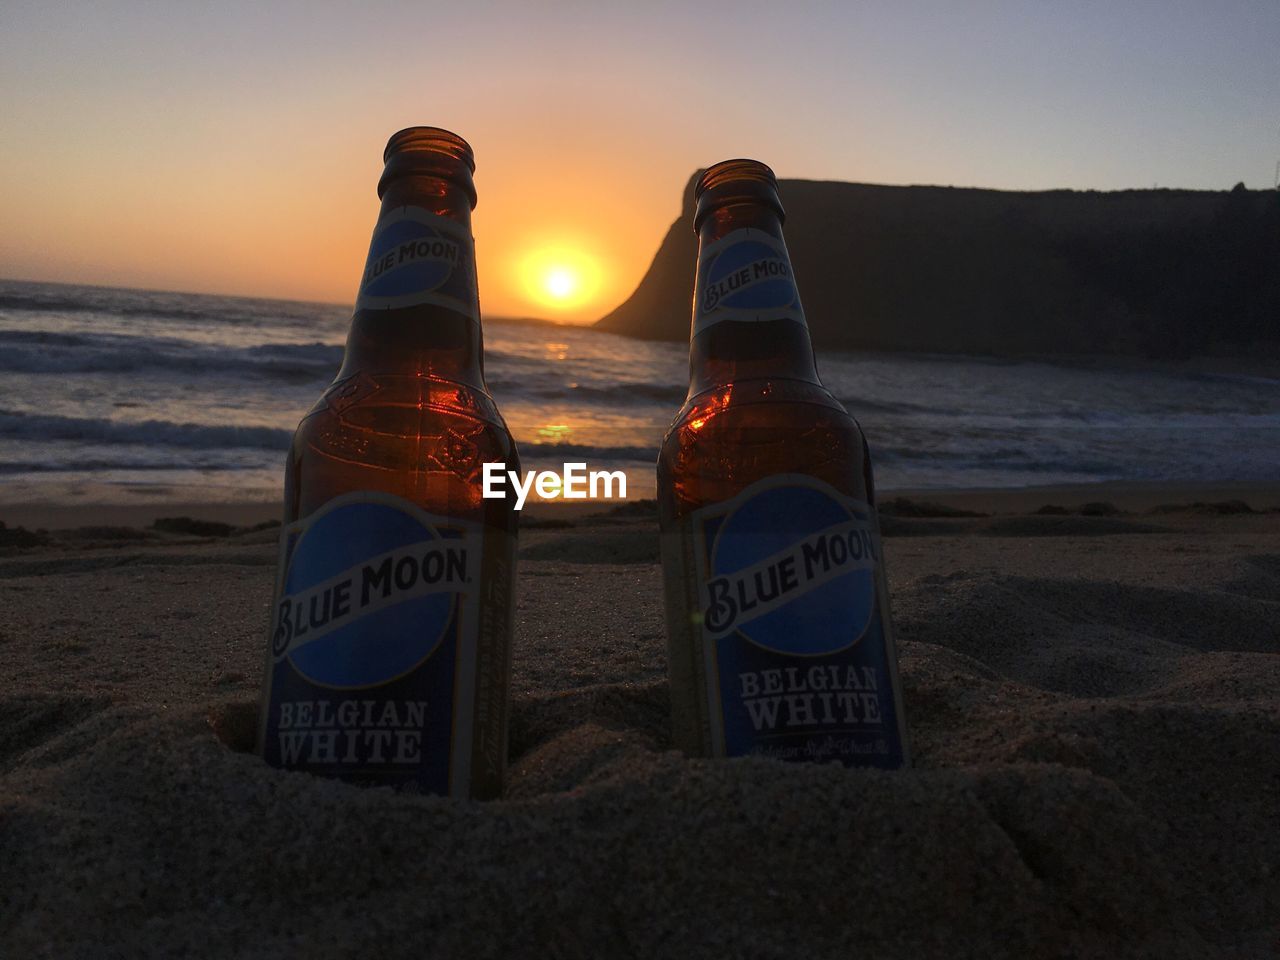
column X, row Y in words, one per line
column 1093, row 695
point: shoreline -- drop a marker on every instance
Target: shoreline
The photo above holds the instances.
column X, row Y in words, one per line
column 1125, row 496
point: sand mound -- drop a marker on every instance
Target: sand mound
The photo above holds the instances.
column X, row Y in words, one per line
column 633, row 853
column 1093, row 725
column 1081, row 637
column 1257, row 577
column 35, row 731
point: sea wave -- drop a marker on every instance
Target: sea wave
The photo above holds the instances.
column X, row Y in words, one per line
column 201, row 309
column 46, row 338
column 51, row 352
column 93, row 465
column 77, row 362
column 17, row 425
column 24, row 351
column 45, row 427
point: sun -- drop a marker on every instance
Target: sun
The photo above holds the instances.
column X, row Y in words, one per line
column 560, row 282
column 562, row 278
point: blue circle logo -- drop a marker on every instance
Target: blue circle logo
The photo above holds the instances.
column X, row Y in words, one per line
column 351, row 586
column 824, row 560
column 407, row 257
column 749, row 275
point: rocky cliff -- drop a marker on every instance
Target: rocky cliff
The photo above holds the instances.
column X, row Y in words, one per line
column 1166, row 273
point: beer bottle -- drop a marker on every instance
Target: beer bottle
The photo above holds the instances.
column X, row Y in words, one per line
column 389, row 644
column 779, row 636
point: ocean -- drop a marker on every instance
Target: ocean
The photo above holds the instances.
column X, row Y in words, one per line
column 113, row 395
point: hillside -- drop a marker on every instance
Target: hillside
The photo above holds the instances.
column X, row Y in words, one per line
column 1162, row 273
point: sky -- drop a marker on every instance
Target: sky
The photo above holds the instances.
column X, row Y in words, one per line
column 235, row 147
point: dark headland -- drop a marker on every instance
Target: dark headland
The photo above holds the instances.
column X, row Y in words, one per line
column 1145, row 273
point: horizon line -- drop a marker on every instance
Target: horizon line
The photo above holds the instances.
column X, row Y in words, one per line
column 544, row 321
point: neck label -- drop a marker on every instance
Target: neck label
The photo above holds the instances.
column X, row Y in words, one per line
column 745, row 276
column 418, row 257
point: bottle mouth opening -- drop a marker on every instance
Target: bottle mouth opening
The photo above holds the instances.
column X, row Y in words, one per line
column 735, row 181
column 429, row 151
column 434, row 139
column 729, row 171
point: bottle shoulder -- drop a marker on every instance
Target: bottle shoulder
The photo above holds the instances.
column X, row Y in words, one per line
column 760, row 404
column 424, row 440
column 398, row 403
column 724, row 441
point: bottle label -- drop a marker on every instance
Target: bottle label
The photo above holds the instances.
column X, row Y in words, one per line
column 798, row 658
column 373, row 639
column 745, row 276
column 419, row 257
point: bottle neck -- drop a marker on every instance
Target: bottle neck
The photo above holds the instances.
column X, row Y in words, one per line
column 747, row 320
column 418, row 311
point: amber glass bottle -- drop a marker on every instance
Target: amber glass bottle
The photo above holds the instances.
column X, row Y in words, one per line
column 389, row 650
column 779, row 635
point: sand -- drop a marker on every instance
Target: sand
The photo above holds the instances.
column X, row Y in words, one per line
column 1093, row 700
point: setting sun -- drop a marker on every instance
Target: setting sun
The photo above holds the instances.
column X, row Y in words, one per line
column 562, row 278
column 560, row 282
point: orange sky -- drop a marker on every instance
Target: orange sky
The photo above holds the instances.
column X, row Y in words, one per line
column 287, row 212
column 235, row 148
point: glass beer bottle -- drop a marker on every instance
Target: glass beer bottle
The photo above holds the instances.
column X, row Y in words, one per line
column 389, row 644
column 779, row 636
